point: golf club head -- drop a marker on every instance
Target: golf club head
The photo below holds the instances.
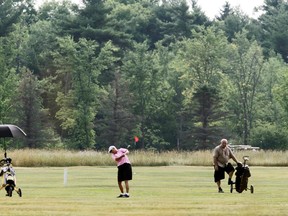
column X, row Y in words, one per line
column 246, row 158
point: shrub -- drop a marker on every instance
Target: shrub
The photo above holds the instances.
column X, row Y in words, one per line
column 268, row 136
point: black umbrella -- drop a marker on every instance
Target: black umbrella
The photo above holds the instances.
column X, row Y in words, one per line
column 8, row 130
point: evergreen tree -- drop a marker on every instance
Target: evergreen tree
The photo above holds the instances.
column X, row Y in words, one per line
column 225, row 12
column 10, row 12
column 232, row 21
column 206, row 110
column 200, row 62
column 115, row 122
column 273, row 25
column 29, row 108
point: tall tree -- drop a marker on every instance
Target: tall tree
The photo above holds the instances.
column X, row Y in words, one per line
column 115, row 122
column 176, row 21
column 10, row 12
column 92, row 22
column 268, row 103
column 131, row 20
column 278, row 89
column 29, row 106
column 78, row 70
column 148, row 91
column 225, row 12
column 245, row 70
column 8, row 82
column 274, row 27
column 232, row 22
column 62, row 16
column 200, row 61
column 270, row 125
column 206, row 110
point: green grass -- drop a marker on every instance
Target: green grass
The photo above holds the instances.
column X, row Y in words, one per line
column 155, row 191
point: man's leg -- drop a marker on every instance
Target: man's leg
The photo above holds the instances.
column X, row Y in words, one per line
column 120, row 187
column 230, row 178
column 218, row 175
column 230, row 170
column 219, row 187
column 127, row 186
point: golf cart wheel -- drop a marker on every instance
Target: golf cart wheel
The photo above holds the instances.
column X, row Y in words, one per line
column 19, row 192
column 252, row 189
column 231, row 188
column 10, row 189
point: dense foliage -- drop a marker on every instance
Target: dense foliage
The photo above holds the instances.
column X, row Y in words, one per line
column 100, row 73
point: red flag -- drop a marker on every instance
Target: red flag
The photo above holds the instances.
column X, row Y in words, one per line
column 136, row 139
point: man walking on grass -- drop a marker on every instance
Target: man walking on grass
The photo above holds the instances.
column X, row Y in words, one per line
column 124, row 168
column 221, row 155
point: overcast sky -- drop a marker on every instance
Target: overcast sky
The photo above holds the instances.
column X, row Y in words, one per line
column 212, row 7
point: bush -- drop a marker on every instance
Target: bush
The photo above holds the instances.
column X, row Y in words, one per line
column 268, row 136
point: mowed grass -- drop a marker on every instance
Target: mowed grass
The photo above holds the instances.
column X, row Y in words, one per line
column 155, row 191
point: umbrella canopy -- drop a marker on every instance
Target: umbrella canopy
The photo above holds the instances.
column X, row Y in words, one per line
column 9, row 130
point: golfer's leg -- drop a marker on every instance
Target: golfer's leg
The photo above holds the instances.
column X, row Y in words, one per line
column 120, row 187
column 127, row 186
column 217, row 179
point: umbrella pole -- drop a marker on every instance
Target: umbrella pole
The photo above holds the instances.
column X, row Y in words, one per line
column 5, row 154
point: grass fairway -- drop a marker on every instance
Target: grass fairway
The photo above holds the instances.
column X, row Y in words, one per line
column 170, row 190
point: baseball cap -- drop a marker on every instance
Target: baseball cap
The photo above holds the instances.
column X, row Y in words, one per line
column 110, row 149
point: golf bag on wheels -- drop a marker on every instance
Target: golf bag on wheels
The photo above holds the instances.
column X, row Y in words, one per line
column 242, row 175
column 9, row 178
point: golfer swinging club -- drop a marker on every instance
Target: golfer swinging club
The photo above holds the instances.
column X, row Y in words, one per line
column 124, row 168
column 222, row 153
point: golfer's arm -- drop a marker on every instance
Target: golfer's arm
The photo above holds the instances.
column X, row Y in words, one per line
column 234, row 158
column 119, row 158
column 215, row 161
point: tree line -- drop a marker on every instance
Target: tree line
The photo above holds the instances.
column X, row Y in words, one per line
column 103, row 72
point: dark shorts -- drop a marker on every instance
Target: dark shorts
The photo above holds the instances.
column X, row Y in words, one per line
column 124, row 172
column 220, row 174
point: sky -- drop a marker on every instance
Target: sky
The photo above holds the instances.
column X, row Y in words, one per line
column 212, row 8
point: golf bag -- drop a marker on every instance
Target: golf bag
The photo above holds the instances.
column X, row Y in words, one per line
column 242, row 175
column 9, row 178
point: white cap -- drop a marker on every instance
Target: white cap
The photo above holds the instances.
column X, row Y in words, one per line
column 110, row 148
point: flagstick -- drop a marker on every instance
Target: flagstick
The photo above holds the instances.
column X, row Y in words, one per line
column 65, row 176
